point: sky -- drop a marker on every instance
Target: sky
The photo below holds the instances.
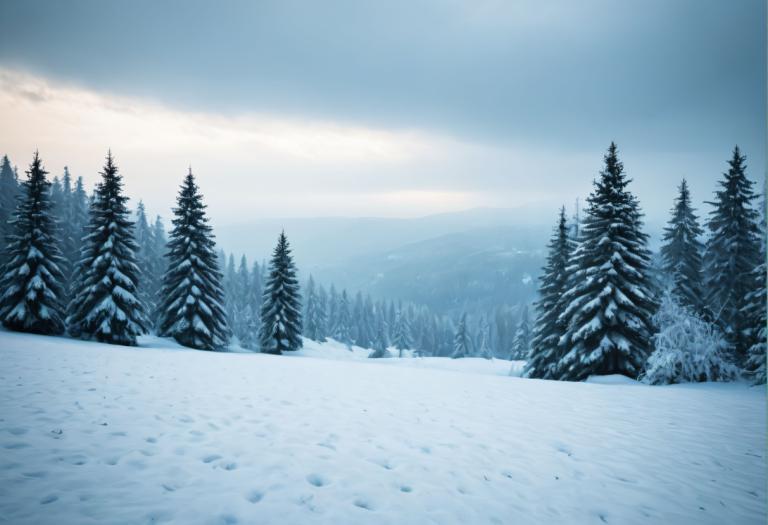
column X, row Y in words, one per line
column 392, row 109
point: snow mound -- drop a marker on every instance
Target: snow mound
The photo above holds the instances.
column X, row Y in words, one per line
column 612, row 379
column 99, row 434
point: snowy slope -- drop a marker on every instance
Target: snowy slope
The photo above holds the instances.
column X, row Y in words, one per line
column 91, row 433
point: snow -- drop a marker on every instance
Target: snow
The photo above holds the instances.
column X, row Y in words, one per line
column 93, row 433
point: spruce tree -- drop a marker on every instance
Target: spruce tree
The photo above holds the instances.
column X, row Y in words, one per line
column 755, row 309
column 549, row 326
column 144, row 258
column 105, row 304
column 9, row 191
column 191, row 309
column 521, row 348
column 314, row 314
column 31, row 282
column 402, row 332
column 342, row 331
column 682, row 252
column 281, row 307
column 610, row 300
column 461, row 345
column 380, row 343
column 732, row 254
column 484, row 346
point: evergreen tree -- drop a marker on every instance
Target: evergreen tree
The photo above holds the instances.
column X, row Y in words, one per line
column 484, row 348
column 314, row 314
column 610, row 300
column 549, row 326
column 145, row 258
column 522, row 346
column 241, row 298
column 732, row 254
column 755, row 309
column 380, row 343
column 461, row 345
column 281, row 307
column 31, row 281
column 682, row 252
column 402, row 337
column 106, row 306
column 342, row 331
column 158, row 265
column 191, row 309
column 9, row 190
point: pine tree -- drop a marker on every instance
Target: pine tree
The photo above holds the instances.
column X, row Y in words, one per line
column 610, row 300
column 192, row 310
column 461, row 339
column 402, row 332
column 314, row 314
column 732, row 254
column 522, row 345
column 755, row 309
column 9, row 191
column 342, row 331
column 32, row 281
column 157, row 266
column 484, row 347
column 281, row 307
column 241, row 299
column 380, row 343
column 106, row 306
column 549, row 326
column 682, row 251
column 145, row 257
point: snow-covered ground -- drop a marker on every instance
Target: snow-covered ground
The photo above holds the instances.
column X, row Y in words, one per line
column 91, row 433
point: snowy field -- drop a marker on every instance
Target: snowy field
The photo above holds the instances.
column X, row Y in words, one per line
column 91, row 434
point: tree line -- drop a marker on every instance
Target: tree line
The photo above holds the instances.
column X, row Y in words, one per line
column 604, row 307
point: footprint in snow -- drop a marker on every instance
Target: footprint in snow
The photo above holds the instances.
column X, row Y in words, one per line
column 317, row 480
column 363, row 504
column 211, row 458
column 254, row 496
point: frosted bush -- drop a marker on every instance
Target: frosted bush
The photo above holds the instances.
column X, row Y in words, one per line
column 686, row 348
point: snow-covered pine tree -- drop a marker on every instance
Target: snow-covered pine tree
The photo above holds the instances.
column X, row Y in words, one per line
column 322, row 305
column 380, row 343
column 241, row 299
column 191, row 307
column 342, row 331
column 521, row 348
column 610, row 299
column 332, row 312
column 461, row 344
column 755, row 309
column 484, row 347
column 31, row 282
column 546, row 351
column 732, row 254
column 687, row 348
column 158, row 265
column 230, row 292
column 402, row 338
column 144, row 257
column 281, row 307
column 314, row 314
column 105, row 305
column 9, row 191
column 682, row 251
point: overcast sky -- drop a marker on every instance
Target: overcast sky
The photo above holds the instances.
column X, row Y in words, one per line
column 396, row 108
